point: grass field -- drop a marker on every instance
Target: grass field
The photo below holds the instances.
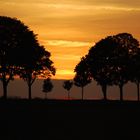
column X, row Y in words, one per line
column 69, row 120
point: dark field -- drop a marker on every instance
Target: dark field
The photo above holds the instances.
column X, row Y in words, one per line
column 69, row 120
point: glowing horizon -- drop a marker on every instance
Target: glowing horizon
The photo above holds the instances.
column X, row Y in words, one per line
column 69, row 28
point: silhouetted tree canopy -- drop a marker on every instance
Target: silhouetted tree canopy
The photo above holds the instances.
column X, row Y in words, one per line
column 134, row 71
column 42, row 66
column 83, row 75
column 11, row 31
column 20, row 53
column 68, row 85
column 98, row 58
column 47, row 86
column 127, row 47
column 109, row 60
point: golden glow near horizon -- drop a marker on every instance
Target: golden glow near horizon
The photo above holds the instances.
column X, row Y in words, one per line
column 68, row 28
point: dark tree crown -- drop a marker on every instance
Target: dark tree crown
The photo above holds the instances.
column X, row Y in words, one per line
column 67, row 85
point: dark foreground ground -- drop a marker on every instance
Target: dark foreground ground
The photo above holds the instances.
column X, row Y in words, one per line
column 69, row 120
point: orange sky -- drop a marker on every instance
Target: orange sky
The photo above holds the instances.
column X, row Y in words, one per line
column 68, row 28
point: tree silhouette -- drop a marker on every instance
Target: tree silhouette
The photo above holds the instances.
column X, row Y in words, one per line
column 126, row 48
column 47, row 86
column 68, row 85
column 82, row 76
column 39, row 66
column 11, row 36
column 20, row 53
column 134, row 71
column 109, row 60
column 99, row 58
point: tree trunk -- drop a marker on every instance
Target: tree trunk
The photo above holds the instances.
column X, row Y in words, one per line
column 4, row 90
column 82, row 93
column 46, row 96
column 29, row 91
column 121, row 92
column 68, row 95
column 138, row 91
column 104, row 89
column 30, row 82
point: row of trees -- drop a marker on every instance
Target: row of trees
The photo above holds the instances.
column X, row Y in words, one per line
column 67, row 85
column 21, row 54
column 114, row 60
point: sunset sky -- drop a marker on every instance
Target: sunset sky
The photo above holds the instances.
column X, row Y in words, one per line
column 68, row 28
